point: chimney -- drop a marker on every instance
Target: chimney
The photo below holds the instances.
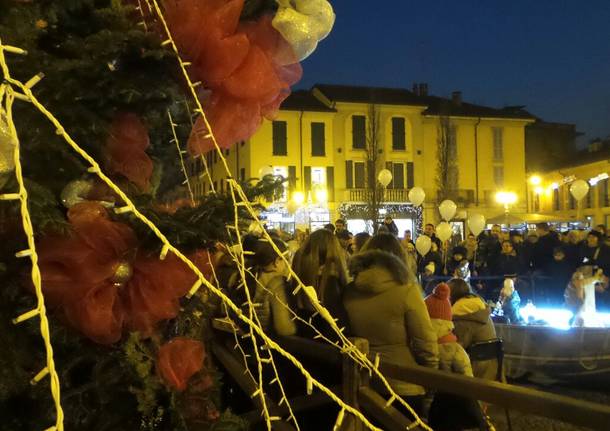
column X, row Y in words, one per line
column 456, row 98
column 420, row 89
column 423, row 89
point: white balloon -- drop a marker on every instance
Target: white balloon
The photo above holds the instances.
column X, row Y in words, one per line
column 476, row 223
column 385, row 177
column 444, row 231
column 579, row 189
column 447, row 208
column 423, row 244
column 292, row 207
column 417, row 196
column 264, row 171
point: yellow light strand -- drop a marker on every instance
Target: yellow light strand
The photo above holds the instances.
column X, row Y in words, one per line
column 325, row 313
column 186, row 175
column 28, row 229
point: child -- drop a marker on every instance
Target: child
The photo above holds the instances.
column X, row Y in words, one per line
column 448, row 411
column 453, row 357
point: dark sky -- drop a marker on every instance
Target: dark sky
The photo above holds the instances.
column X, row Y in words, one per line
column 551, row 55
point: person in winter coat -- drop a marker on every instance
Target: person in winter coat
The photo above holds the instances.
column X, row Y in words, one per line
column 509, row 303
column 452, row 356
column 320, row 263
column 458, row 254
column 385, row 307
column 270, row 289
column 473, row 324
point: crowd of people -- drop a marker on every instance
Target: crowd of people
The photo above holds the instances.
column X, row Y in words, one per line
column 371, row 285
column 414, row 309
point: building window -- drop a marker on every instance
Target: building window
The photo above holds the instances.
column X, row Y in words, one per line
column 359, row 175
column 227, row 152
column 317, row 140
column 398, row 134
column 280, row 147
column 242, row 174
column 589, row 198
column 282, row 171
column 398, row 175
column 556, row 200
column 410, row 175
column 358, row 132
column 499, row 176
column 603, row 193
column 498, row 141
column 318, row 176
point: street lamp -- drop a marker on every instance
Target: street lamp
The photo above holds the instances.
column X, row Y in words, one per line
column 506, row 199
column 535, row 180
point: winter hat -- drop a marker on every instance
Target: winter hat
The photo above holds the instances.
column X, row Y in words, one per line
column 431, row 268
column 438, row 303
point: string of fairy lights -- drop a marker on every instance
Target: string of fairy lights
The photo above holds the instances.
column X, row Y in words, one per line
column 13, row 89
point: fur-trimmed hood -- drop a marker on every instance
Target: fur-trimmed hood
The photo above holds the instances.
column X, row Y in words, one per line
column 376, row 271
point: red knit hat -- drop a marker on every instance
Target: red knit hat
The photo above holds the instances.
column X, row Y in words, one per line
column 438, row 303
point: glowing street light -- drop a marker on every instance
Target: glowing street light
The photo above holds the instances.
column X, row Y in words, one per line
column 507, row 199
column 321, row 195
column 538, row 190
column 535, row 180
column 298, row 198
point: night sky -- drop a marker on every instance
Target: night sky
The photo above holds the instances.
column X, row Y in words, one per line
column 551, row 55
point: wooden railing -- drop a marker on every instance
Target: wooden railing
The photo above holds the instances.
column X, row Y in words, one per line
column 355, row 390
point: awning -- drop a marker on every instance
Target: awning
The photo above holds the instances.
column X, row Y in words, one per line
column 519, row 219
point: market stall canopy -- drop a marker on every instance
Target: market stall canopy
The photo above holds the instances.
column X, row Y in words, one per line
column 518, row 219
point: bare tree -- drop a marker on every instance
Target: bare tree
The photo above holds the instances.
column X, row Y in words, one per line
column 374, row 149
column 447, row 173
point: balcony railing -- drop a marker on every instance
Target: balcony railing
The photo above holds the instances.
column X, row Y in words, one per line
column 390, row 195
column 462, row 197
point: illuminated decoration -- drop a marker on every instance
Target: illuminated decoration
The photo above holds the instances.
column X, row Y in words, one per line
column 568, row 179
column 561, row 318
column 593, row 181
column 360, row 211
column 298, row 198
column 535, row 180
column 554, row 186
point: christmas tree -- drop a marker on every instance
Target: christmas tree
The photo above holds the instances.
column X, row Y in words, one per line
column 116, row 308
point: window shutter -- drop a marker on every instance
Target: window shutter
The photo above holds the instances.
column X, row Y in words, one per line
column 330, row 182
column 280, row 147
column 359, row 132
column 410, row 175
column 307, row 179
column 349, row 174
column 317, row 140
column 292, row 178
column 398, row 176
column 370, row 174
column 398, row 133
column 359, row 175
column 388, row 166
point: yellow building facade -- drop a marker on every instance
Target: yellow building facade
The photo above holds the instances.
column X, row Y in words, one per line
column 549, row 192
column 318, row 138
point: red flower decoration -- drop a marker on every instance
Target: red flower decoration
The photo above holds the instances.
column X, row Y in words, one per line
column 178, row 360
column 79, row 277
column 248, row 67
column 126, row 150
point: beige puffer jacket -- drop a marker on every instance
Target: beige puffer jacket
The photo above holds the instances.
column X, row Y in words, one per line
column 388, row 310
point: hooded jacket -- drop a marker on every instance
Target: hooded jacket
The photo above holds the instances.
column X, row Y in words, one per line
column 388, row 310
column 471, row 317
